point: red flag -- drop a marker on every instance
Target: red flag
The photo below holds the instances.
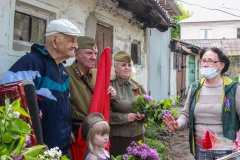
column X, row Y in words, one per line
column 100, row 101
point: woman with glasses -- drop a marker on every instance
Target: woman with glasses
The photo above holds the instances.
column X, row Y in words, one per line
column 212, row 106
column 126, row 126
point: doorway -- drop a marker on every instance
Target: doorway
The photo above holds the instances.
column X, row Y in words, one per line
column 104, row 37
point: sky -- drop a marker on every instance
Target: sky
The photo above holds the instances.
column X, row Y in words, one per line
column 205, row 7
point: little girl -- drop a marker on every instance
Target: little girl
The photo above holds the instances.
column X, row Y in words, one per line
column 96, row 131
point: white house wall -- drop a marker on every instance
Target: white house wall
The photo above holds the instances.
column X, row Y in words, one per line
column 77, row 11
column 224, row 29
column 124, row 34
column 5, row 32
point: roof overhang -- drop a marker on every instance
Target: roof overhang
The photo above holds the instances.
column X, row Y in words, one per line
column 185, row 48
column 148, row 12
column 171, row 7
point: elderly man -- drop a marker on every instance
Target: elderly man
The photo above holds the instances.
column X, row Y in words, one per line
column 44, row 67
column 83, row 80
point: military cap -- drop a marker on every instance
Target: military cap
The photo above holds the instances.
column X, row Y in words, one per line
column 122, row 56
column 85, row 42
column 62, row 26
column 89, row 121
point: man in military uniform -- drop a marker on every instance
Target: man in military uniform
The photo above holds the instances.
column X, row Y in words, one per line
column 83, row 80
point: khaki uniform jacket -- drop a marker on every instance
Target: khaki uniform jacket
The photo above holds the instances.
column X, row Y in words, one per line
column 80, row 96
column 121, row 105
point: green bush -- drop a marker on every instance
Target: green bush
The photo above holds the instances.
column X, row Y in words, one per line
column 154, row 139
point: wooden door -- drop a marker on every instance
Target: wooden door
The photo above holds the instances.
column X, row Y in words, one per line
column 103, row 37
column 181, row 75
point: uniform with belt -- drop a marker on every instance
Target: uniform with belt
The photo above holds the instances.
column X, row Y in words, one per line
column 80, row 95
column 81, row 86
column 122, row 132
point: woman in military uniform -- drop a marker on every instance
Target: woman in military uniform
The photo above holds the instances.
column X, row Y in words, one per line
column 126, row 126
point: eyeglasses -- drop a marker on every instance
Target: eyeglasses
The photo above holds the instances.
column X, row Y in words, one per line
column 209, row 61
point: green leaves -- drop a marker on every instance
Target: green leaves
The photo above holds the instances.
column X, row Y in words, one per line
column 33, row 152
column 20, row 144
column 14, row 132
column 3, row 150
column 16, row 106
column 5, row 157
column 18, row 126
column 6, row 138
column 117, row 158
column 151, row 108
column 64, row 158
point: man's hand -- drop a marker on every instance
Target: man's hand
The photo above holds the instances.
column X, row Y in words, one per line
column 111, row 91
column 40, row 114
column 72, row 138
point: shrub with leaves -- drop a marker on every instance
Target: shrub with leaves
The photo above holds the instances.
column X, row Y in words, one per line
column 15, row 141
column 153, row 109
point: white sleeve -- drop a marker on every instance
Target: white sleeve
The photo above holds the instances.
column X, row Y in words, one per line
column 183, row 119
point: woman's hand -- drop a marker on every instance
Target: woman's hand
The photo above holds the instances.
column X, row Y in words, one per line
column 132, row 117
column 170, row 122
column 135, row 117
column 140, row 116
column 111, row 91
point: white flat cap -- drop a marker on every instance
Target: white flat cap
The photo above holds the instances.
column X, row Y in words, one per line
column 62, row 26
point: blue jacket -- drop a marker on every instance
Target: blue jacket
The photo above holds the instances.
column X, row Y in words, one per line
column 52, row 89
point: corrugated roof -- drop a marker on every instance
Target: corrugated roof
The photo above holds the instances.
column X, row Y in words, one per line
column 228, row 46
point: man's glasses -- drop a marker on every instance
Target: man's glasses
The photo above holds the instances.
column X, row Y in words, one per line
column 209, row 61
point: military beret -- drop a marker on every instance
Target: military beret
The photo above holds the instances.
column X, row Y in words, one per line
column 122, row 56
column 62, row 26
column 85, row 42
column 89, row 121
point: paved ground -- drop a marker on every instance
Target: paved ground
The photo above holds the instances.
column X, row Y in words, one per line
column 179, row 146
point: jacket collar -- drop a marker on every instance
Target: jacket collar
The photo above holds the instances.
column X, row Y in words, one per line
column 123, row 81
column 40, row 49
column 226, row 81
column 79, row 74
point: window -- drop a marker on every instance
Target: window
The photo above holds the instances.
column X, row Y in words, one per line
column 238, row 32
column 30, row 20
column 135, row 53
column 29, row 28
column 206, row 34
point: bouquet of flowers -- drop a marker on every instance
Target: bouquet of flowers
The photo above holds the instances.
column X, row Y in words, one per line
column 152, row 109
column 139, row 151
column 15, row 141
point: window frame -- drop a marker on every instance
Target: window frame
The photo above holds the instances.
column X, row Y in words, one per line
column 31, row 17
column 238, row 32
column 207, row 33
column 139, row 61
column 32, row 8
